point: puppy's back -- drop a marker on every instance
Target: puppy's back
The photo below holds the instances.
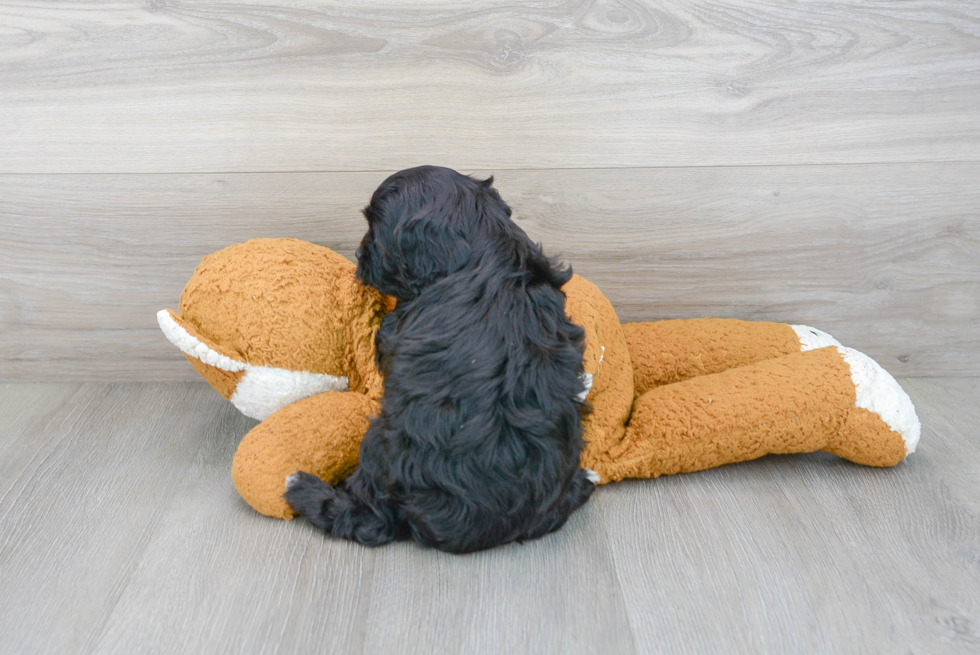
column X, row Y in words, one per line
column 480, row 423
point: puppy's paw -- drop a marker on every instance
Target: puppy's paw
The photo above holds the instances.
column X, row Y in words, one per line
column 307, row 494
column 293, row 480
column 592, row 476
column 587, row 380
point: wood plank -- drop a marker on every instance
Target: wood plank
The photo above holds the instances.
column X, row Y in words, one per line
column 80, row 495
column 951, row 411
column 218, row 577
column 120, row 531
column 886, row 257
column 299, row 86
column 87, row 261
column 557, row 594
column 806, row 553
column 732, row 560
column 21, row 406
column 913, row 533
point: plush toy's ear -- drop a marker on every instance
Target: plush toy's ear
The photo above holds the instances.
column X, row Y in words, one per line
column 257, row 391
column 220, row 367
column 195, row 345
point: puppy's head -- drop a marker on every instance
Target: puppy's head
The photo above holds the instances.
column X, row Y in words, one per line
column 429, row 222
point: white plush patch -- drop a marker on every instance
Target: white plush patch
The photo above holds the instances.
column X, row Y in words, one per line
column 812, row 338
column 592, row 476
column 878, row 392
column 587, row 381
column 264, row 390
column 191, row 345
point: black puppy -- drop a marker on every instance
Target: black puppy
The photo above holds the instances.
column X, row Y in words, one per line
column 479, row 436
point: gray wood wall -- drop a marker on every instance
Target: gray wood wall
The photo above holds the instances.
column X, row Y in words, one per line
column 809, row 162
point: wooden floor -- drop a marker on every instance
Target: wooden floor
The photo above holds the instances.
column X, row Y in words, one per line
column 120, row 532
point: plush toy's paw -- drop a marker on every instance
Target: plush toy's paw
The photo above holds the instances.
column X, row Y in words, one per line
column 880, row 394
column 812, row 338
column 876, row 391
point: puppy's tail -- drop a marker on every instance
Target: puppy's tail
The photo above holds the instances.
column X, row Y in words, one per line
column 348, row 511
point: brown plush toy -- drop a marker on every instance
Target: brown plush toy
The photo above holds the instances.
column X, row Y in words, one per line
column 284, row 330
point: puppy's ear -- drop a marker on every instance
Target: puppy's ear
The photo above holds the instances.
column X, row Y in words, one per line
column 487, row 186
column 430, row 247
column 527, row 255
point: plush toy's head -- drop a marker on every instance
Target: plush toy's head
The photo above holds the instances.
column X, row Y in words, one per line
column 271, row 321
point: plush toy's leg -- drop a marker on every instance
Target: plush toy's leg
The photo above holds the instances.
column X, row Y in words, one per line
column 320, row 435
column 664, row 352
column 832, row 399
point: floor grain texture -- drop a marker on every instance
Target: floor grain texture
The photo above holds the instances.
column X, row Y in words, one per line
column 120, row 532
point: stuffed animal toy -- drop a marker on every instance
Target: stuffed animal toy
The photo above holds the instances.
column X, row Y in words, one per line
column 284, row 330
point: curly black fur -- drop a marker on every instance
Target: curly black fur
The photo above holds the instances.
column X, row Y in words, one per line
column 479, row 437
